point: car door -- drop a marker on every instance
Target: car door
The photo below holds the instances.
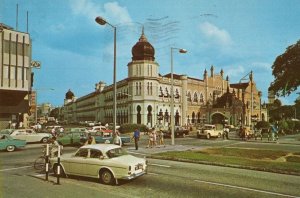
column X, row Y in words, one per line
column 3, row 142
column 77, row 162
column 93, row 163
column 32, row 136
column 21, row 135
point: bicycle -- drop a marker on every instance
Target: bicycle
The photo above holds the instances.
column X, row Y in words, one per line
column 40, row 162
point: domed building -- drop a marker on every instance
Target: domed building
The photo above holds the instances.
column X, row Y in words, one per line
column 144, row 96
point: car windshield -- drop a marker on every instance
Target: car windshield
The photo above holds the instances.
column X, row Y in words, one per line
column 208, row 127
column 117, row 152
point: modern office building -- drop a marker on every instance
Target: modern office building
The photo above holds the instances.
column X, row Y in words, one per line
column 15, row 76
column 144, row 97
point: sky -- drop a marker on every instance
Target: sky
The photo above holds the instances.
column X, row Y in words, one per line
column 75, row 52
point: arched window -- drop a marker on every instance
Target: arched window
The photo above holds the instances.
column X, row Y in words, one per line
column 201, row 97
column 195, row 97
column 138, row 116
column 189, row 97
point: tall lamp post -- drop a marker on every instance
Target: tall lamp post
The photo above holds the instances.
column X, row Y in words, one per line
column 172, row 92
column 102, row 21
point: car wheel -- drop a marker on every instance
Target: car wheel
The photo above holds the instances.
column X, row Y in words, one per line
column 10, row 148
column 44, row 140
column 208, row 136
column 106, row 177
column 62, row 172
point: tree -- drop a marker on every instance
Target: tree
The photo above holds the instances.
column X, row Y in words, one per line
column 286, row 70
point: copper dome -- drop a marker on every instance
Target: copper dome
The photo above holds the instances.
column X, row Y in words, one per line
column 143, row 50
column 69, row 95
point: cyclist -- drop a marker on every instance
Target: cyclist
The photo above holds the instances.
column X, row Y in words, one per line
column 54, row 147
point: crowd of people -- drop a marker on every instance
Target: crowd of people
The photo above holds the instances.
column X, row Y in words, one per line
column 156, row 139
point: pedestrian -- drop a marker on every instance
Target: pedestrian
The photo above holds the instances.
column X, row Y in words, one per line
column 90, row 140
column 150, row 141
column 161, row 139
column 117, row 139
column 136, row 137
column 154, row 137
column 53, row 132
column 61, row 130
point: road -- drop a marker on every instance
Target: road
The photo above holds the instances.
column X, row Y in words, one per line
column 164, row 179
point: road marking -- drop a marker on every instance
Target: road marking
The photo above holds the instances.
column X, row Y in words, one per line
column 245, row 188
column 160, row 165
column 9, row 169
column 136, row 153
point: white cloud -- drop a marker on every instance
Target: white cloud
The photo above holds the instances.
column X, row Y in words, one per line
column 215, row 34
column 262, row 66
column 111, row 11
column 235, row 72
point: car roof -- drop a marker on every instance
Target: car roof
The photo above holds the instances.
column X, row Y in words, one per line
column 102, row 147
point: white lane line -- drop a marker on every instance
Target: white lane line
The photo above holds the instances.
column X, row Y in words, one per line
column 245, row 188
column 136, row 153
column 160, row 165
column 9, row 169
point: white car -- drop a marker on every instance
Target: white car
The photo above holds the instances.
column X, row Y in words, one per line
column 107, row 162
column 208, row 131
column 30, row 135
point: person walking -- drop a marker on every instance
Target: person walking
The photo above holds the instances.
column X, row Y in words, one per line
column 90, row 139
column 150, row 141
column 136, row 137
column 161, row 139
column 117, row 139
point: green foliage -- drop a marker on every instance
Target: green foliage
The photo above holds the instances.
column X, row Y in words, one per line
column 125, row 128
column 262, row 124
column 286, row 71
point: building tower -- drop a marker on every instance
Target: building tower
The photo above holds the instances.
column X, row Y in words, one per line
column 143, row 82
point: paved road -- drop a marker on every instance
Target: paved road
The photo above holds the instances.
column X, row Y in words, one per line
column 164, row 179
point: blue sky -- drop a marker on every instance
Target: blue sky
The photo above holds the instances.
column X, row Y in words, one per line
column 75, row 52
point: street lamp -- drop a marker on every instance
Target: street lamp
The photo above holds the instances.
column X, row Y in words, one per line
column 172, row 93
column 102, row 21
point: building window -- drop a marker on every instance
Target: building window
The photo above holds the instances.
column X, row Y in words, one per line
column 151, row 93
column 195, row 97
column 201, row 97
column 189, row 97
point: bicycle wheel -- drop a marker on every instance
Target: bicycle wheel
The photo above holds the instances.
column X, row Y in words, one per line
column 39, row 163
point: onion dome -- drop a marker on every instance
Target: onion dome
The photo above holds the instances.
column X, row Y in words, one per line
column 143, row 50
column 69, row 95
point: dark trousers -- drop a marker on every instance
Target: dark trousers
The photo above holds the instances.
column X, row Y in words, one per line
column 136, row 143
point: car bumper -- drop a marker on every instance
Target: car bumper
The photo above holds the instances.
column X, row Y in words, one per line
column 134, row 175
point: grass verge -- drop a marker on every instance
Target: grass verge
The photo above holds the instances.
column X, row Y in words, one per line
column 264, row 160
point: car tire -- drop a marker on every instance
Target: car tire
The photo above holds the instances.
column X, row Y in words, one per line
column 10, row 148
column 106, row 177
column 208, row 136
column 44, row 140
column 62, row 172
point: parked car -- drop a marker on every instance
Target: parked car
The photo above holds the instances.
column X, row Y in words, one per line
column 99, row 128
column 10, row 144
column 30, row 135
column 178, row 131
column 6, row 131
column 208, row 131
column 72, row 138
column 107, row 162
column 107, row 137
